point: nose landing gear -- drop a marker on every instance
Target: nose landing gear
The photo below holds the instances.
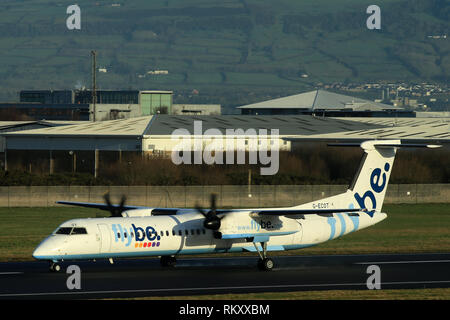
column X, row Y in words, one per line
column 54, row 267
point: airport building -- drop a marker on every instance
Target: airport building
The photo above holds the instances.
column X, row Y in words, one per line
column 84, row 143
column 123, row 104
column 324, row 103
column 110, row 105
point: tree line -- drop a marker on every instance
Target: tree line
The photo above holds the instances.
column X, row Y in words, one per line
column 311, row 165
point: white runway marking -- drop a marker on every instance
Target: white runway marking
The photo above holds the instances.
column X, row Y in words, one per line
column 403, row 262
column 219, row 288
column 5, row 273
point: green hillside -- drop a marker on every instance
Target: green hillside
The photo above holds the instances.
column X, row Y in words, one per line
column 232, row 52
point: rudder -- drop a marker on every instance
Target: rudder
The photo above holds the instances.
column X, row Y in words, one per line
column 370, row 183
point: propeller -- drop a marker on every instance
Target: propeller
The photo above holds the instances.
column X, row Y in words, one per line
column 212, row 221
column 116, row 211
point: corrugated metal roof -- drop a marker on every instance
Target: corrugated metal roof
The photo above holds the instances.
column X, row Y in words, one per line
column 121, row 127
column 287, row 125
column 303, row 127
column 320, row 100
column 411, row 129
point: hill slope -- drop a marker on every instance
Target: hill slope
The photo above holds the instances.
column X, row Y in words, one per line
column 232, row 52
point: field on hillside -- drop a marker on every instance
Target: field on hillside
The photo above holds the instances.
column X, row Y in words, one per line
column 240, row 50
column 409, row 228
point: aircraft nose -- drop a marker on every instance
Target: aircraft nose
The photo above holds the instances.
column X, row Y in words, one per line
column 38, row 252
column 45, row 250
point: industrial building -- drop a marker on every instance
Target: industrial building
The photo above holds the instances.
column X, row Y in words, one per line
column 78, row 105
column 324, row 103
column 84, row 142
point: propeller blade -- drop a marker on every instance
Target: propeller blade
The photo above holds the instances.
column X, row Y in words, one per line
column 212, row 221
column 213, row 201
column 116, row 211
column 107, row 199
column 122, row 202
column 203, row 212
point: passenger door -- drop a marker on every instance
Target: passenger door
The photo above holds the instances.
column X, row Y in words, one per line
column 105, row 238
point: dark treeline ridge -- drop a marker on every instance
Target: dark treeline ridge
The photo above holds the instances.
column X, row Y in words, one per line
column 314, row 165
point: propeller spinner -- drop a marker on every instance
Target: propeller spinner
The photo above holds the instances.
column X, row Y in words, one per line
column 212, row 221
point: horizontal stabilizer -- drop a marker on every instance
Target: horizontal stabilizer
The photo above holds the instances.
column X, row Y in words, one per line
column 384, row 144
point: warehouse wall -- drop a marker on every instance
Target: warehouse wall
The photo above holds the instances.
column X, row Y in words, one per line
column 228, row 196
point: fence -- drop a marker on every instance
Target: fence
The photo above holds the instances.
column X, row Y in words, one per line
column 227, row 196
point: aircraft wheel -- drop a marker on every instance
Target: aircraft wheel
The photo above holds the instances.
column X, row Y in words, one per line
column 265, row 264
column 168, row 261
column 55, row 267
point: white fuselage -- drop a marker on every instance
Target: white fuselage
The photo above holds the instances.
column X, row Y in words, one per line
column 185, row 234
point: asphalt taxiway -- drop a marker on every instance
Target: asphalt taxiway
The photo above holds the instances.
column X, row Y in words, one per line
column 216, row 275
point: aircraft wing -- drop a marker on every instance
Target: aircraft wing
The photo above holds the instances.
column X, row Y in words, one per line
column 286, row 212
column 155, row 211
column 101, row 206
column 171, row 211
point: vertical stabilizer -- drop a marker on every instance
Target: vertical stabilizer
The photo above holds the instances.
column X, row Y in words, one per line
column 369, row 186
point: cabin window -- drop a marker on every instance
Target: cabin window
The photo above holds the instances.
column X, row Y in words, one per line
column 187, row 232
column 167, row 233
column 198, row 231
column 180, row 232
column 173, row 232
column 118, row 235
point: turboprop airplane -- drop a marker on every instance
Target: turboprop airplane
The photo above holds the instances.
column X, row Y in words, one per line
column 135, row 231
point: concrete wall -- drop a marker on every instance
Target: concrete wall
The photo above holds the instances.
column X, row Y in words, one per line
column 228, row 196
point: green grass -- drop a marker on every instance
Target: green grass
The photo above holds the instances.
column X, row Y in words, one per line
column 409, row 228
column 407, row 294
column 24, row 228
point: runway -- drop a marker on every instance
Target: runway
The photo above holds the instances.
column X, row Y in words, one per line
column 216, row 275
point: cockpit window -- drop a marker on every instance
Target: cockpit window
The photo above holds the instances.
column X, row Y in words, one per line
column 64, row 230
column 71, row 231
column 79, row 231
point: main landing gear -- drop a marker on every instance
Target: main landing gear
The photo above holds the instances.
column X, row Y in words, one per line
column 264, row 263
column 168, row 261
